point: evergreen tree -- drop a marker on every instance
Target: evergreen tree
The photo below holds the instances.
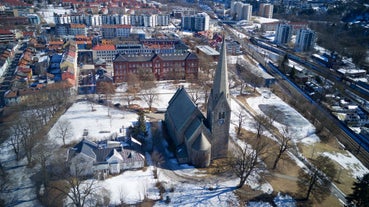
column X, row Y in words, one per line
column 360, row 195
column 140, row 128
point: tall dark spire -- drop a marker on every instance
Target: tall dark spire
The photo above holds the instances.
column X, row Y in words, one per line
column 219, row 108
column 220, row 84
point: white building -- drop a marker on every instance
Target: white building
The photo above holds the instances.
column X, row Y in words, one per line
column 241, row 11
column 266, row 10
column 283, row 34
column 305, row 40
column 198, row 22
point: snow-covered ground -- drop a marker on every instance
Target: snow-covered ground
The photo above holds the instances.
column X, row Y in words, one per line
column 183, row 185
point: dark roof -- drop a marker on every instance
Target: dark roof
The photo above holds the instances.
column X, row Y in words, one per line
column 192, row 128
column 102, row 154
column 192, row 56
column 131, row 156
column 181, row 108
column 149, row 57
column 86, row 147
column 134, row 58
column 173, row 56
column 201, row 143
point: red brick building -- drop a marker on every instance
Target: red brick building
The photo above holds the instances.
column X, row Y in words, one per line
column 163, row 66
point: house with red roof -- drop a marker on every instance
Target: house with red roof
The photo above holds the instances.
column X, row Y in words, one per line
column 105, row 52
column 6, row 36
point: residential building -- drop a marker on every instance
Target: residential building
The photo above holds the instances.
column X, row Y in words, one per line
column 104, row 52
column 162, row 20
column 198, row 22
column 246, row 12
column 233, row 47
column 207, row 51
column 163, row 66
column 266, row 10
column 283, row 34
column 12, row 20
column 62, row 29
column 269, row 26
column 305, row 40
column 199, row 139
column 92, row 158
column 241, row 11
column 77, row 29
column 94, row 20
column 6, row 36
column 33, row 19
column 55, row 46
column 113, row 31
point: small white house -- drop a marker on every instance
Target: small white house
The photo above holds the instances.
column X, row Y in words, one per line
column 88, row 158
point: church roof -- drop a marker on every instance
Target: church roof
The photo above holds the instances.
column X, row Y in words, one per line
column 220, row 84
column 201, row 143
column 195, row 124
column 181, row 108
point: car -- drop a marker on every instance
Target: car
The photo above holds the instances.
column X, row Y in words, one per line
column 117, row 105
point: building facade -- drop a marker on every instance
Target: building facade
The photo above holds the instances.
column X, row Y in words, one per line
column 266, row 10
column 198, row 22
column 305, row 40
column 163, row 66
column 199, row 139
column 241, row 11
column 104, row 52
column 146, row 20
column 113, row 31
column 283, row 34
column 77, row 29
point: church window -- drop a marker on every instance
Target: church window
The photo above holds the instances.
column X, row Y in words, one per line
column 221, row 115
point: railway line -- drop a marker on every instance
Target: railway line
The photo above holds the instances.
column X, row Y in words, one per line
column 355, row 143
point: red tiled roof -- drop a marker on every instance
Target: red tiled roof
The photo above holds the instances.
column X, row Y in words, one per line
column 11, row 94
column 77, row 26
column 24, row 69
column 30, row 33
column 5, row 32
column 15, row 3
column 56, row 43
column 104, row 47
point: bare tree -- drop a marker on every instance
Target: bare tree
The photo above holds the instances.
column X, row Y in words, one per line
column 318, row 179
column 27, row 132
column 241, row 120
column 260, row 123
column 157, row 159
column 64, row 130
column 149, row 96
column 74, row 185
column 195, row 93
column 4, row 182
column 90, row 98
column 42, row 155
column 108, row 89
column 284, row 144
column 246, row 160
column 146, row 78
column 31, row 136
column 133, row 86
column 11, row 133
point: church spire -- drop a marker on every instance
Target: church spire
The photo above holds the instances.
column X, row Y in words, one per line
column 220, row 84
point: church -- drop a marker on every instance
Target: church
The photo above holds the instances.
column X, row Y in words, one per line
column 199, row 139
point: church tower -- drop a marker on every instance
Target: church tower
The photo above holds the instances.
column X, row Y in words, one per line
column 219, row 108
